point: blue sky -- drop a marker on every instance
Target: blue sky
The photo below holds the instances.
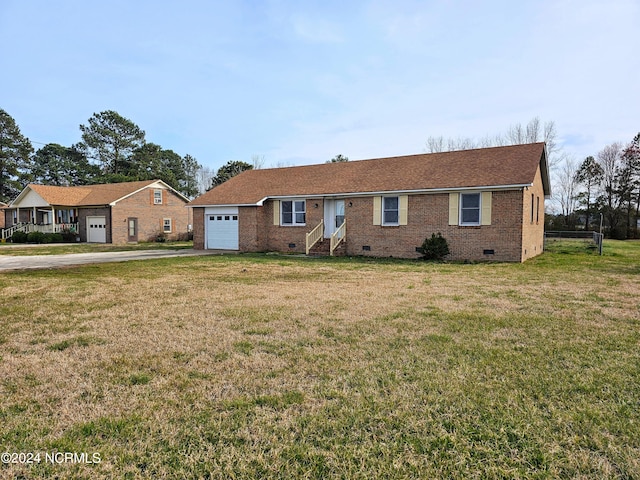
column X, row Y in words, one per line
column 299, row 82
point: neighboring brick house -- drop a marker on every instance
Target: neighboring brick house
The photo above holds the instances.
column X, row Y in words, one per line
column 488, row 203
column 2, row 208
column 105, row 213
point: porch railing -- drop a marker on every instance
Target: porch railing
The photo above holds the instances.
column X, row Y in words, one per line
column 338, row 237
column 314, row 236
column 18, row 227
column 30, row 227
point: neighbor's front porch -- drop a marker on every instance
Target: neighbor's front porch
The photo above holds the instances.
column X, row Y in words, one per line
column 33, row 227
column 41, row 219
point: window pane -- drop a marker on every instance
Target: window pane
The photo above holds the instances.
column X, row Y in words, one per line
column 300, row 218
column 287, row 218
column 471, row 216
column 471, row 200
column 391, row 203
column 390, row 210
column 391, row 216
column 299, row 206
column 287, row 207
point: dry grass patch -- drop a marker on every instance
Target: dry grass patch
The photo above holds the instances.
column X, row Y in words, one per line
column 273, row 367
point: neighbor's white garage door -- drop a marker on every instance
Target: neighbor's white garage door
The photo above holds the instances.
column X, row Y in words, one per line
column 96, row 230
column 222, row 228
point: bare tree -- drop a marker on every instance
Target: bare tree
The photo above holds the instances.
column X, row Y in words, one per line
column 609, row 160
column 532, row 132
column 258, row 161
column 203, row 177
column 435, row 144
column 567, row 189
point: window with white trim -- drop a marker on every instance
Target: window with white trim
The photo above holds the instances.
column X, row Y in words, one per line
column 157, row 196
column 293, row 212
column 166, row 225
column 390, row 211
column 469, row 209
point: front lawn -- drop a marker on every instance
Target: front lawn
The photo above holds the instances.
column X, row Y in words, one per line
column 55, row 249
column 285, row 367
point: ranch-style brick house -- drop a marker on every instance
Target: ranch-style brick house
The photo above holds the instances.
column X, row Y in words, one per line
column 488, row 203
column 105, row 213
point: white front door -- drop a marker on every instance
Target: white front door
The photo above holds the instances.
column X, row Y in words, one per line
column 333, row 216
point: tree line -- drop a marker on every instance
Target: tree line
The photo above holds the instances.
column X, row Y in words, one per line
column 602, row 187
column 112, row 149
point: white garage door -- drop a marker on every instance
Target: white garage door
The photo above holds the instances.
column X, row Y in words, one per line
column 96, row 230
column 222, row 228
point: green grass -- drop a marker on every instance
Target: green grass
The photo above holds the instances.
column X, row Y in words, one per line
column 260, row 366
column 53, row 249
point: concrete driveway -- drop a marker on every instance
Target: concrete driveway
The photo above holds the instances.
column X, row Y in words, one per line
column 8, row 262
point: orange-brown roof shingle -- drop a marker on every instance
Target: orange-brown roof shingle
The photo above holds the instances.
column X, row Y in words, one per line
column 486, row 167
column 87, row 195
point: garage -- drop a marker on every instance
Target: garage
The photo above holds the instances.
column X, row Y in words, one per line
column 221, row 228
column 96, row 230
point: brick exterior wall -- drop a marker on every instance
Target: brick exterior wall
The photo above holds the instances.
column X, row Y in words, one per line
column 533, row 228
column 198, row 228
column 83, row 213
column 511, row 237
column 286, row 238
column 428, row 214
column 251, row 229
column 150, row 217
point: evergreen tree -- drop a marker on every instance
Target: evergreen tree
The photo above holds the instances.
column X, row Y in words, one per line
column 15, row 152
column 55, row 164
column 228, row 170
column 629, row 183
column 110, row 139
column 589, row 175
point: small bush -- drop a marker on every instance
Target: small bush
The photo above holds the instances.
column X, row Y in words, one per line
column 185, row 237
column 435, row 248
column 53, row 238
column 19, row 237
column 68, row 236
column 35, row 237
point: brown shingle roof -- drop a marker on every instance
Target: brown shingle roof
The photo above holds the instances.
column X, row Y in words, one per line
column 498, row 166
column 86, row 195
